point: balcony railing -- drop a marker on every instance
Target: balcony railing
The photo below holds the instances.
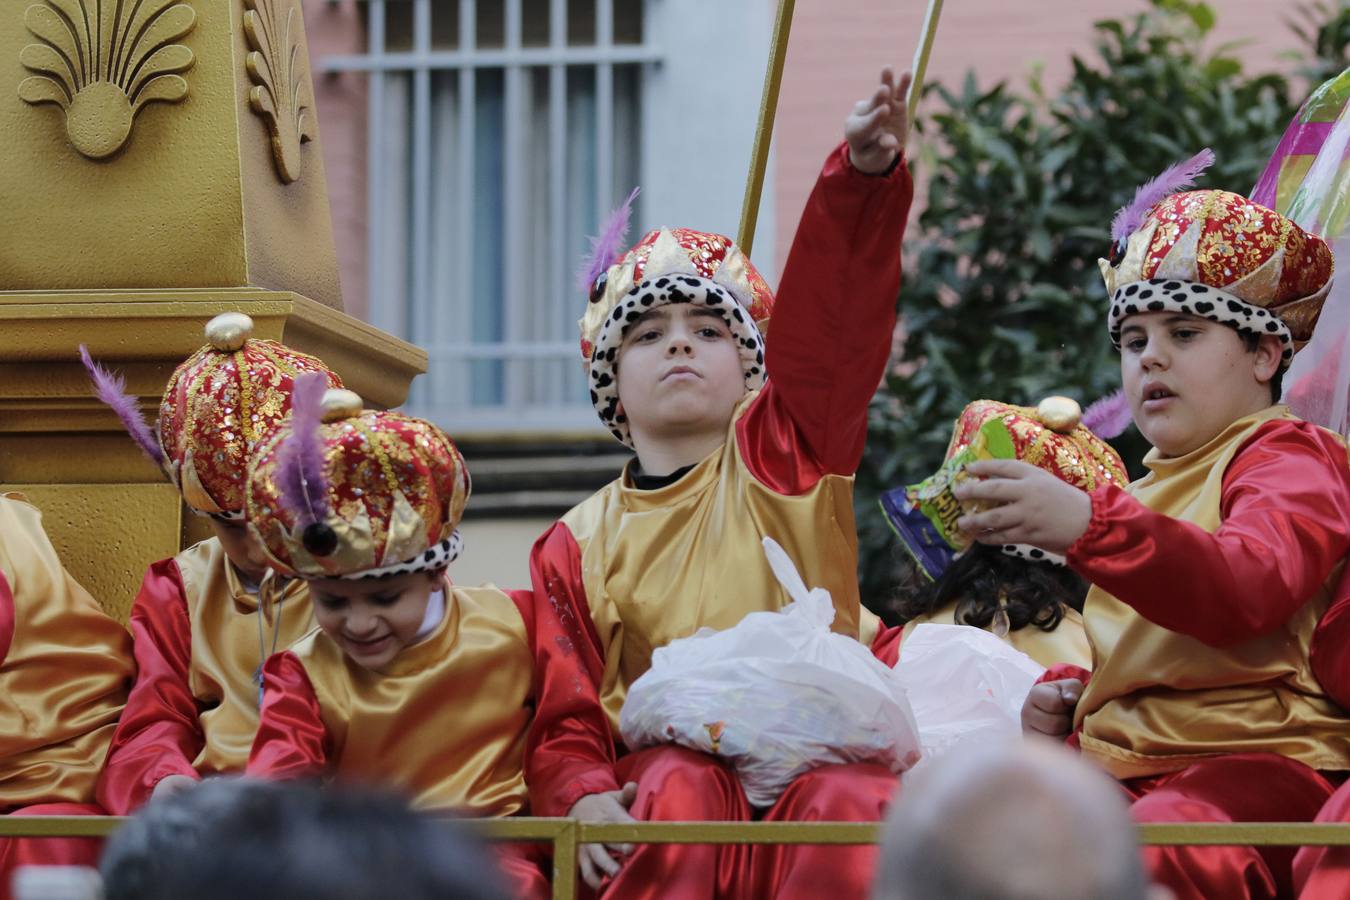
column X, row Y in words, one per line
column 567, row 835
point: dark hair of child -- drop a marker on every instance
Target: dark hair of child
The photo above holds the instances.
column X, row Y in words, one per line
column 1034, row 593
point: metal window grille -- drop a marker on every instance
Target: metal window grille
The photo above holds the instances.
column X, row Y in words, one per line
column 500, row 134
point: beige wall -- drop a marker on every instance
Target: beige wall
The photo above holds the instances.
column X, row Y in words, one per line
column 838, row 46
column 497, row 550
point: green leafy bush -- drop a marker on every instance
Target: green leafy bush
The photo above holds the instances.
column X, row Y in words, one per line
column 1001, row 296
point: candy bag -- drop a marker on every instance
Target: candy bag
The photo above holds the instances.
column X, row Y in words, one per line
column 776, row 695
column 924, row 515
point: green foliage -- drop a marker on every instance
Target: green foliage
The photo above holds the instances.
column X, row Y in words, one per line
column 1001, row 296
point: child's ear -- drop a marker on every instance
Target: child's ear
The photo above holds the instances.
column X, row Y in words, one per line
column 1269, row 353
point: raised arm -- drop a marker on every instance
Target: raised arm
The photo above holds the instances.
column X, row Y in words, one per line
column 830, row 335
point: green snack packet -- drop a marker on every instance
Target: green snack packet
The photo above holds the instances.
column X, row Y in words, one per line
column 933, row 496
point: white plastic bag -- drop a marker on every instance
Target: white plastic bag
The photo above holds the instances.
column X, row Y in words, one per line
column 965, row 686
column 776, row 695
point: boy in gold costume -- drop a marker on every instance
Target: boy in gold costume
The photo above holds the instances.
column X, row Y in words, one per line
column 1212, row 572
column 410, row 682
column 65, row 667
column 201, row 629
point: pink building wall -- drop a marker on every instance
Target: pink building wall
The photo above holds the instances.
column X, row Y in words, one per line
column 836, row 49
column 335, row 28
column 838, row 46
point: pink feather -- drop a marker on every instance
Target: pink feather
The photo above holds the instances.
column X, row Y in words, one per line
column 1109, row 416
column 301, row 480
column 111, row 389
column 1172, row 180
column 607, row 245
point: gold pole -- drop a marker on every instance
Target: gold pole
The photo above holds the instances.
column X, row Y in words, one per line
column 768, row 108
column 919, row 67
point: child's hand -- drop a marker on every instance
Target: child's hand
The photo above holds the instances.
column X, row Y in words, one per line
column 1048, row 709
column 597, row 860
column 878, row 126
column 1034, row 507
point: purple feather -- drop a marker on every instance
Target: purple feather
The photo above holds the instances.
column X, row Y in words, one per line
column 607, row 245
column 111, row 389
column 1109, row 416
column 300, row 465
column 1172, row 180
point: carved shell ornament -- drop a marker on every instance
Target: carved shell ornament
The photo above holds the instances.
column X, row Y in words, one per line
column 102, row 61
column 272, row 29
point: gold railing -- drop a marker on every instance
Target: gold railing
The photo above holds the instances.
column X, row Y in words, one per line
column 567, row 835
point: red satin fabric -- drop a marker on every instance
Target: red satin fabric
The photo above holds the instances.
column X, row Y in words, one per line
column 1329, row 653
column 857, row 792
column 828, row 343
column 292, row 741
column 16, row 852
column 159, row 733
column 1323, row 873
column 569, row 750
column 1284, row 499
column 6, row 617
column 524, row 869
column 1251, row 787
column 675, row 785
column 886, row 645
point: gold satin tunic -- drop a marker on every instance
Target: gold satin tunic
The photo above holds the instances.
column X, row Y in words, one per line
column 447, row 720
column 226, row 653
column 1159, row 701
column 65, row 677
column 1068, row 643
column 638, row 548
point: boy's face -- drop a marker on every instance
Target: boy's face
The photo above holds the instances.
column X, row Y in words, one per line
column 679, row 372
column 242, row 547
column 1188, row 378
column 373, row 620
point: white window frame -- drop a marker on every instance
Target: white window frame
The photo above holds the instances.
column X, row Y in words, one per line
column 514, row 415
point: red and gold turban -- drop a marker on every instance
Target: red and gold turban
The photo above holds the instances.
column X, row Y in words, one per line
column 1220, row 256
column 672, row 265
column 344, row 492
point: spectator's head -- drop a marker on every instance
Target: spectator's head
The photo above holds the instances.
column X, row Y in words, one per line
column 1022, row 822
column 234, row 838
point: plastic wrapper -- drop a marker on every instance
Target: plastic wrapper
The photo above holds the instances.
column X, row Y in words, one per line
column 965, row 685
column 776, row 695
column 924, row 515
column 1308, row 180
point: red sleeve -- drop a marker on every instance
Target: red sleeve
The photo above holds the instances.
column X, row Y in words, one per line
column 886, row 645
column 292, row 741
column 159, row 733
column 1283, row 511
column 570, row 750
column 830, row 335
column 1330, row 653
column 1061, row 671
column 6, row 617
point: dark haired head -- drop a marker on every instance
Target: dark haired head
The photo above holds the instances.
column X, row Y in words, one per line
column 233, row 838
column 1033, row 593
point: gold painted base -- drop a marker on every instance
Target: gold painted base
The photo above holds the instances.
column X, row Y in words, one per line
column 107, row 534
column 109, row 511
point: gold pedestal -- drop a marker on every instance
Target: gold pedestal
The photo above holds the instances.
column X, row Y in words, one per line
column 109, row 510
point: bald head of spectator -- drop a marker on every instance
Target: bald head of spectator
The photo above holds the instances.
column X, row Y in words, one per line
column 1026, row 821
